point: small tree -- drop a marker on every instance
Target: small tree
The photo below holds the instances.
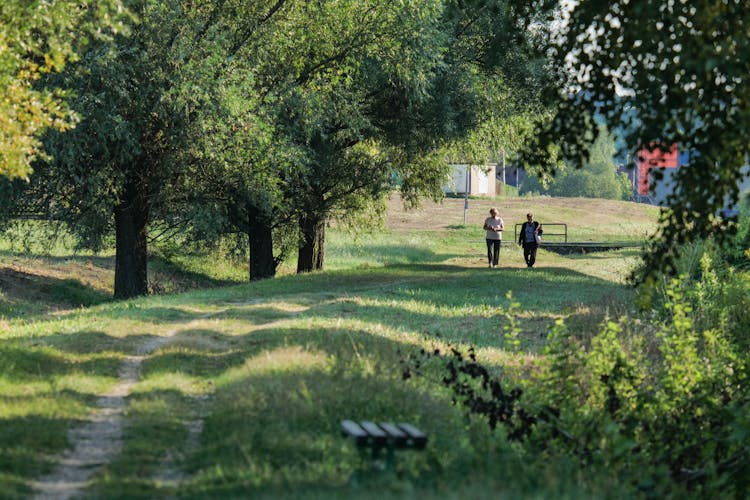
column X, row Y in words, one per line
column 597, row 178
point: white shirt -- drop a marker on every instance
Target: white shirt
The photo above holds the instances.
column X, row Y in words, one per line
column 497, row 224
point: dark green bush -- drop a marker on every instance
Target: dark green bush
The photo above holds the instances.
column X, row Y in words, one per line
column 653, row 401
column 661, row 404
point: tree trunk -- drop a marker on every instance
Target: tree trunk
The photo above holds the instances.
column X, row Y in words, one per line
column 131, row 219
column 312, row 252
column 262, row 263
column 254, row 220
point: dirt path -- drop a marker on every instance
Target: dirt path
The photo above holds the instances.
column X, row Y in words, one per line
column 98, row 441
column 169, row 472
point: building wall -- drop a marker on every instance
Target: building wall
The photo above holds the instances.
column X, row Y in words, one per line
column 481, row 180
column 666, row 185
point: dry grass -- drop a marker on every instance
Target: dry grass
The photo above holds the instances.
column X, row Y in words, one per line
column 34, row 283
column 248, row 383
column 578, row 213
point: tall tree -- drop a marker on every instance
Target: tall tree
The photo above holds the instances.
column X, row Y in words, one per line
column 235, row 156
column 138, row 96
column 660, row 73
column 233, row 163
column 356, row 92
column 354, row 57
column 383, row 95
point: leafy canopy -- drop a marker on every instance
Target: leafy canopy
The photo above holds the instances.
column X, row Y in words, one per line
column 38, row 38
column 597, row 178
column 662, row 73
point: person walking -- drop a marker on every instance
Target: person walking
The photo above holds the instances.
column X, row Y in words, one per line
column 531, row 232
column 494, row 226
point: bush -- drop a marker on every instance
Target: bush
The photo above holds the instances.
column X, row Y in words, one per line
column 596, row 179
column 663, row 405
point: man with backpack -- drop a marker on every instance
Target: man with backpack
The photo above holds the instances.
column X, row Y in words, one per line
column 530, row 238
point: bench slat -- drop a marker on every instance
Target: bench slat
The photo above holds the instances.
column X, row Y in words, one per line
column 374, row 435
column 398, row 436
column 418, row 437
column 377, row 434
column 352, row 429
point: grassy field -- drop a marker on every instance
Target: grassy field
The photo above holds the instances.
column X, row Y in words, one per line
column 238, row 390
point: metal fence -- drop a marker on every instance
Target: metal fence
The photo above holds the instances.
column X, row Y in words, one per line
column 560, row 230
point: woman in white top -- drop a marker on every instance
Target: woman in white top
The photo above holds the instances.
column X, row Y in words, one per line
column 494, row 226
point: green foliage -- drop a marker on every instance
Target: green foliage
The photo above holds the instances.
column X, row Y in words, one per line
column 597, row 178
column 508, row 73
column 660, row 403
column 509, row 191
column 738, row 248
column 671, row 396
column 75, row 293
column 376, row 104
column 39, row 38
column 714, row 279
column 658, row 73
column 118, row 152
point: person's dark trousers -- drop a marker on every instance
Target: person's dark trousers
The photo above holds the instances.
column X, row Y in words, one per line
column 493, row 252
column 529, row 253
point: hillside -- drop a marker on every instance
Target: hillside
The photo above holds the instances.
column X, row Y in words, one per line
column 48, row 279
column 586, row 217
column 238, row 391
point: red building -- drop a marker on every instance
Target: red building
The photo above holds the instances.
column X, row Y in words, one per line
column 656, row 158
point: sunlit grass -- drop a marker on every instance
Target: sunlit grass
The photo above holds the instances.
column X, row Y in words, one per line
column 282, row 361
column 244, row 393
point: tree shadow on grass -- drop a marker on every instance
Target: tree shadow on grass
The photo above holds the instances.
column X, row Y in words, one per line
column 102, row 261
column 26, row 293
column 22, row 362
column 142, row 311
column 195, row 363
column 434, row 304
column 168, row 277
column 138, row 311
column 394, row 255
column 255, row 314
column 28, row 446
column 93, row 342
column 433, row 297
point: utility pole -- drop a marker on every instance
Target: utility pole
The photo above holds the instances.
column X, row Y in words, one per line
column 466, row 193
column 627, row 166
column 637, row 187
column 503, row 166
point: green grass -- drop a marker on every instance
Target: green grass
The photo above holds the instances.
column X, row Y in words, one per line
column 270, row 368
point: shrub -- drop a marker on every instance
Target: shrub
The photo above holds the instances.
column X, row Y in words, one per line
column 663, row 405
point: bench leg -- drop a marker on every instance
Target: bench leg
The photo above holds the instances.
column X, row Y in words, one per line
column 390, row 460
column 389, row 464
column 390, row 457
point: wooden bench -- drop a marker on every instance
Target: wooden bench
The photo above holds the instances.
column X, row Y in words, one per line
column 384, row 436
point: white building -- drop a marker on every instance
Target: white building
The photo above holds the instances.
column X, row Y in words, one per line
column 480, row 180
